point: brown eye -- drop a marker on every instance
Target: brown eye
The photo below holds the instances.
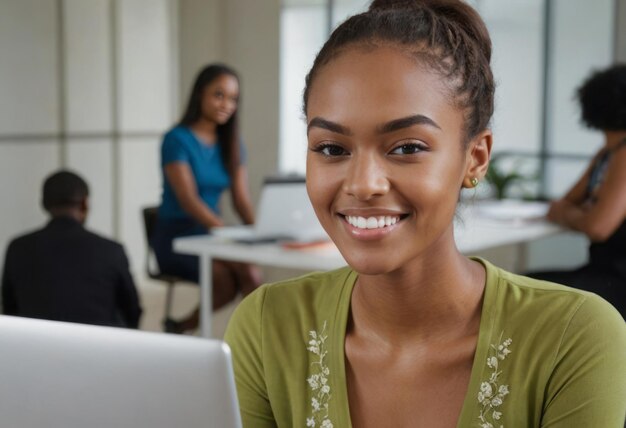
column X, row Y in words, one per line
column 408, row 149
column 330, row 150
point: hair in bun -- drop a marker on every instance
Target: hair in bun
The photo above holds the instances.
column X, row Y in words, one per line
column 391, row 4
column 448, row 34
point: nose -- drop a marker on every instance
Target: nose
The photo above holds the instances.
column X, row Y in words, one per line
column 366, row 177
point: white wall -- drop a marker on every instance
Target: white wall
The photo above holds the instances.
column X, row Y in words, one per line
column 29, row 122
column 199, row 40
column 86, row 85
column 574, row 55
column 620, row 40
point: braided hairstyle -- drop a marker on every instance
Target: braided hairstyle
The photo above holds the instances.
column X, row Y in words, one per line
column 448, row 35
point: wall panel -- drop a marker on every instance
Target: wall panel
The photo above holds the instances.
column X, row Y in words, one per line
column 144, row 66
column 24, row 166
column 88, row 71
column 92, row 160
column 140, row 174
column 28, row 67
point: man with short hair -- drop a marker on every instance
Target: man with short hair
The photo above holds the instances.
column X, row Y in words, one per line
column 64, row 272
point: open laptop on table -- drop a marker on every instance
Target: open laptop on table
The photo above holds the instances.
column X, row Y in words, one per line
column 62, row 375
column 284, row 214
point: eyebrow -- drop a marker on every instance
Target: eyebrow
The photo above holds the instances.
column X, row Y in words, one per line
column 318, row 122
column 394, row 125
column 407, row 122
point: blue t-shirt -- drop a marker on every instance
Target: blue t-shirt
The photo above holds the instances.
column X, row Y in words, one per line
column 207, row 166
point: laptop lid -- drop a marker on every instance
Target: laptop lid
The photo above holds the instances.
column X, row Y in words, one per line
column 284, row 212
column 62, row 375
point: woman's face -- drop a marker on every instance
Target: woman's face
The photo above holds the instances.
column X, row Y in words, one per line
column 386, row 160
column 219, row 100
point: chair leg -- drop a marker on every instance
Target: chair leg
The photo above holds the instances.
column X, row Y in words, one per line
column 168, row 300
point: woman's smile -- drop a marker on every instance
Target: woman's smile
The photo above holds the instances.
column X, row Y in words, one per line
column 367, row 224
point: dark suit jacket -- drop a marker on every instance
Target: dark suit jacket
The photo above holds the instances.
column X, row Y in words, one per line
column 66, row 273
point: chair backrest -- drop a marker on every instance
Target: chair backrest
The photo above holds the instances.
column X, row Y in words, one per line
column 149, row 220
column 149, row 224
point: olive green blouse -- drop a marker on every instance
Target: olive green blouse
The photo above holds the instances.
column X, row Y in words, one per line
column 547, row 355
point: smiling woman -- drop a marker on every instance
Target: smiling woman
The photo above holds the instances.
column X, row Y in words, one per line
column 200, row 158
column 413, row 333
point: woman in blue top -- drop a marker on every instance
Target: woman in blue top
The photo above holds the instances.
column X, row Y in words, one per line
column 200, row 158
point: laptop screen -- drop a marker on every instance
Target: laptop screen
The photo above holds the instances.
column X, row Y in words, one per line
column 62, row 375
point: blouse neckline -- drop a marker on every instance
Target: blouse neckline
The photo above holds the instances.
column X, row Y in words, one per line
column 341, row 416
column 200, row 141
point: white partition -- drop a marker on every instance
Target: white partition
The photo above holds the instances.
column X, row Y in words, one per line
column 24, row 165
column 92, row 159
column 583, row 34
column 251, row 41
column 28, row 67
column 144, row 65
column 303, row 32
column 139, row 172
column 516, row 30
column 88, row 70
column 92, row 83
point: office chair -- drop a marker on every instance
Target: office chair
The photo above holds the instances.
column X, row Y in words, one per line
column 152, row 266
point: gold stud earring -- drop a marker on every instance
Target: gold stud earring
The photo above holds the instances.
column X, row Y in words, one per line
column 474, row 181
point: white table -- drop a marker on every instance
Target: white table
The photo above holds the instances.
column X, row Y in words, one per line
column 473, row 233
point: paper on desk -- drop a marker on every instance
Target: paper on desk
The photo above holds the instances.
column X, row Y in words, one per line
column 513, row 210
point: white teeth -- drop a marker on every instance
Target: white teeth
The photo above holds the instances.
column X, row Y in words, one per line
column 371, row 222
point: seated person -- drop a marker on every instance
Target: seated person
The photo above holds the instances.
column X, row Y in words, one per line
column 63, row 272
column 201, row 157
column 413, row 333
column 596, row 204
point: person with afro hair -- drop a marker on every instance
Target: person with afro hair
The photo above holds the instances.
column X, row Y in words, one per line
column 596, row 204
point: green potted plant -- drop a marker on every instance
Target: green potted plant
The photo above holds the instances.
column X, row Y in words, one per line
column 502, row 179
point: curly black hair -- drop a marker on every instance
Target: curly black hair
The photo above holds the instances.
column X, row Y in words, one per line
column 602, row 99
column 448, row 35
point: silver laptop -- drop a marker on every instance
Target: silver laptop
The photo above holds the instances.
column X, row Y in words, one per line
column 62, row 375
column 284, row 213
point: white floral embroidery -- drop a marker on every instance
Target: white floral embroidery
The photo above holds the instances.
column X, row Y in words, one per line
column 491, row 394
column 318, row 381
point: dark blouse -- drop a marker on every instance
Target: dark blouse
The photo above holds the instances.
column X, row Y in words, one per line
column 610, row 253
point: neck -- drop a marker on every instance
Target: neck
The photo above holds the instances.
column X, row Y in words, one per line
column 614, row 138
column 440, row 296
column 206, row 130
column 75, row 214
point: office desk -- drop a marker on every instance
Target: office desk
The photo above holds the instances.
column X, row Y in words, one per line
column 473, row 233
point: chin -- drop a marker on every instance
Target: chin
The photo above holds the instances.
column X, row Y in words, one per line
column 370, row 264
